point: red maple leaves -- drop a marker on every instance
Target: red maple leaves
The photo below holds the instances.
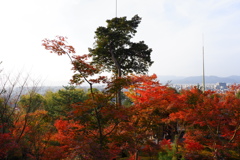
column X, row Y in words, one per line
column 158, row 118
column 58, row 45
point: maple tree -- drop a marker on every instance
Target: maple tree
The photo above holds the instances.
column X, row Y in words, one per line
column 33, row 133
column 91, row 128
column 211, row 121
column 81, row 67
column 95, row 106
column 152, row 104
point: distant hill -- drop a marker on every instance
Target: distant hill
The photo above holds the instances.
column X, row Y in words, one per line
column 43, row 89
column 198, row 79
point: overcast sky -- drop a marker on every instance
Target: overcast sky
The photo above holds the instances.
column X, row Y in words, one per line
column 172, row 28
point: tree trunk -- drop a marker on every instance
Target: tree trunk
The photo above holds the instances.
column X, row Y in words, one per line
column 119, row 75
column 136, row 155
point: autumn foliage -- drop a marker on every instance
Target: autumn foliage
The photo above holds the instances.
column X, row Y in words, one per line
column 189, row 124
column 156, row 121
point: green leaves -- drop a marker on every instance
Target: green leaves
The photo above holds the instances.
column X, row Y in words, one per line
column 114, row 50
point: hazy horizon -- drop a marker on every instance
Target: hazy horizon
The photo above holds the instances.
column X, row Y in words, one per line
column 173, row 29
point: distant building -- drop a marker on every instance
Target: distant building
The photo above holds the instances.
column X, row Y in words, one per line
column 221, row 86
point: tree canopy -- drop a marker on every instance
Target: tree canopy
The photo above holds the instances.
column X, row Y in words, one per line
column 114, row 50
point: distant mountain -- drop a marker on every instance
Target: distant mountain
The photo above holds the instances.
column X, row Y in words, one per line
column 237, row 78
column 198, row 79
column 169, row 79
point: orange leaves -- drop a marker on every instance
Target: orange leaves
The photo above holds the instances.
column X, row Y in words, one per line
column 81, row 66
column 181, row 115
column 33, row 131
column 90, row 128
column 65, row 125
column 67, row 130
column 147, row 92
column 166, row 144
column 70, row 137
column 144, row 79
column 212, row 119
column 192, row 145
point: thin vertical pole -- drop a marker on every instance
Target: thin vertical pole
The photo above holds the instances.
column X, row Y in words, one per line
column 116, row 8
column 203, row 78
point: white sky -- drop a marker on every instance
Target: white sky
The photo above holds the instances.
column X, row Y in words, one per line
column 172, row 28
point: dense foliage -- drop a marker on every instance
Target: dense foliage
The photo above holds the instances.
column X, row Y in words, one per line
column 154, row 122
column 114, row 51
column 158, row 122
